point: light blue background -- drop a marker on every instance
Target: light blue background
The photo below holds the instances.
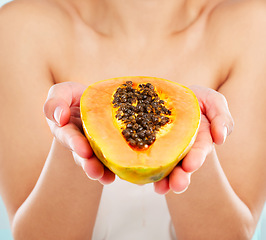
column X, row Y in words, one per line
column 5, row 233
column 2, row 2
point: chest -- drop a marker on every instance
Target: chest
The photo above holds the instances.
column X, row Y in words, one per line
column 187, row 60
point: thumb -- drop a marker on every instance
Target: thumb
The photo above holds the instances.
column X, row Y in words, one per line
column 214, row 106
column 61, row 98
column 57, row 110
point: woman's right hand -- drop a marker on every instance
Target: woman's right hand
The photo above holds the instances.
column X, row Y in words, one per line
column 63, row 116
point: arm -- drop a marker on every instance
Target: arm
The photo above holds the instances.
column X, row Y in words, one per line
column 46, row 194
column 227, row 194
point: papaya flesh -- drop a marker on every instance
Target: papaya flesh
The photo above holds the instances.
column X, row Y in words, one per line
column 140, row 127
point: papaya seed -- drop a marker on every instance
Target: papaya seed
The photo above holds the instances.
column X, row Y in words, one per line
column 143, row 119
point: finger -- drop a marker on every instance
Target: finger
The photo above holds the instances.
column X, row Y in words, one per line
column 179, row 180
column 57, row 110
column 60, row 98
column 219, row 129
column 214, row 106
column 108, row 177
column 71, row 137
column 92, row 166
column 162, row 187
column 201, row 148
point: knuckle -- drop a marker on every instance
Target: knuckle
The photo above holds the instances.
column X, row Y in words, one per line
column 231, row 125
column 52, row 90
column 221, row 99
column 217, row 96
column 47, row 107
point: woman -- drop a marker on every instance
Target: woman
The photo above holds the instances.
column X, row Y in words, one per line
column 216, row 44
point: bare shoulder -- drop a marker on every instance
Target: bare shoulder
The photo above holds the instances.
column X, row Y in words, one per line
column 26, row 30
column 36, row 11
column 35, row 23
column 238, row 33
column 243, row 21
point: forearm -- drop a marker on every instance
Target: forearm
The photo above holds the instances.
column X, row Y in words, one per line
column 63, row 204
column 210, row 209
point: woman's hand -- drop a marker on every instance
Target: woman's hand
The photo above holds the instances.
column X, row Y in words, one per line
column 62, row 112
column 63, row 116
column 216, row 124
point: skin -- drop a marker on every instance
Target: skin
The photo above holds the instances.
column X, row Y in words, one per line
column 219, row 45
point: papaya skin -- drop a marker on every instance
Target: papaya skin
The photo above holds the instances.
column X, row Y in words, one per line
column 133, row 165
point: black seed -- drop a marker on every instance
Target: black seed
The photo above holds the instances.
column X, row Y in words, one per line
column 150, row 141
column 122, row 108
column 144, row 119
column 129, row 111
column 131, row 118
column 149, row 85
column 130, row 94
column 149, row 99
column 140, row 129
column 138, row 119
column 157, row 127
column 154, row 104
column 135, row 126
column 139, row 108
column 155, row 119
column 118, row 115
column 141, row 134
column 148, row 133
column 139, row 97
column 135, row 135
column 126, row 133
column 129, row 83
column 140, row 114
column 148, row 109
column 140, row 144
column 132, row 142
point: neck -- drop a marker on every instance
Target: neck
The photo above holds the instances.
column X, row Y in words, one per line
column 141, row 17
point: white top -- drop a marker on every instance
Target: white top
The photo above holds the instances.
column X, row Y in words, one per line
column 129, row 212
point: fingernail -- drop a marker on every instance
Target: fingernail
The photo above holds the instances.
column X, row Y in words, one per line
column 186, row 187
column 94, row 179
column 82, row 163
column 57, row 114
column 181, row 191
column 224, row 133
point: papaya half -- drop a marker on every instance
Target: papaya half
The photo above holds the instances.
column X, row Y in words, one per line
column 140, row 127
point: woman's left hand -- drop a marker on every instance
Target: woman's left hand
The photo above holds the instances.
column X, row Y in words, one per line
column 216, row 124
